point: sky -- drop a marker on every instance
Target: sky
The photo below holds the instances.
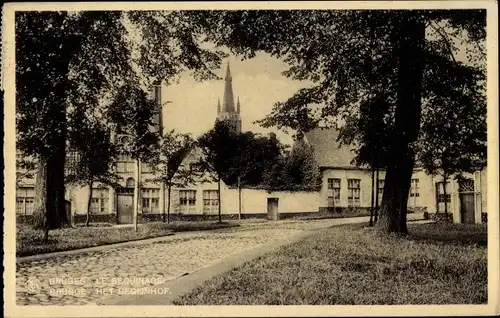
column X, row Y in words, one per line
column 258, row 83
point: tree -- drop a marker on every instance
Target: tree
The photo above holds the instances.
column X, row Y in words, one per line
column 69, row 60
column 219, row 146
column 450, row 144
column 172, row 150
column 371, row 132
column 301, row 168
column 294, row 171
column 96, row 156
column 254, row 155
column 133, row 115
column 352, row 56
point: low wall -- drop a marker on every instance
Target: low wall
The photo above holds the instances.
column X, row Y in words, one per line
column 254, row 201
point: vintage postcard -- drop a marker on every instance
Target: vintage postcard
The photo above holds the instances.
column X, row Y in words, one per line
column 233, row 159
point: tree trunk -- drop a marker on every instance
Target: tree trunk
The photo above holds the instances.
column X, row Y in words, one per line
column 239, row 198
column 39, row 211
column 54, row 200
column 162, row 196
column 218, row 187
column 409, row 37
column 169, row 190
column 87, row 222
column 445, row 179
column 56, row 141
column 136, row 192
column 376, row 197
column 373, row 189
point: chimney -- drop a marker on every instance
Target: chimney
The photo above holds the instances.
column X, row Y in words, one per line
column 157, row 98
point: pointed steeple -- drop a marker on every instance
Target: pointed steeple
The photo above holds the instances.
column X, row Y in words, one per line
column 228, row 100
column 229, row 113
column 228, row 73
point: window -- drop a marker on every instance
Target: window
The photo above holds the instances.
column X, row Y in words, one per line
column 333, row 192
column 381, row 184
column 440, row 192
column 146, row 168
column 150, row 200
column 210, row 201
column 414, row 193
column 121, row 166
column 187, row 197
column 99, row 200
column 353, row 192
column 25, row 200
column 125, row 164
column 414, row 188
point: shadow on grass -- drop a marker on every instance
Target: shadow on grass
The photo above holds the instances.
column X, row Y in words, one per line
column 449, row 233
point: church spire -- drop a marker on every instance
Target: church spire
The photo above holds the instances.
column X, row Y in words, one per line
column 228, row 112
column 228, row 100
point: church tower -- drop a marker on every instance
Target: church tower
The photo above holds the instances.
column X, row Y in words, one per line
column 228, row 112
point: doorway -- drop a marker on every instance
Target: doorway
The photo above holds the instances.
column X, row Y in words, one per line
column 125, row 203
column 272, row 209
column 467, row 201
column 467, row 207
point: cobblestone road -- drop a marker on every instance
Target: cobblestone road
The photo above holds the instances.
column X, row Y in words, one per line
column 85, row 278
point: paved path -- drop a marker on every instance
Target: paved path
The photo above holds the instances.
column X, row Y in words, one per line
column 90, row 278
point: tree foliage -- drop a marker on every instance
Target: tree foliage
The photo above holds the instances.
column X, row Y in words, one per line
column 68, row 61
column 219, row 147
column 356, row 57
column 171, row 151
column 295, row 171
column 94, row 158
column 132, row 113
column 254, row 156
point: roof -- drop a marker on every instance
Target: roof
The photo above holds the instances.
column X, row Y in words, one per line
column 326, row 148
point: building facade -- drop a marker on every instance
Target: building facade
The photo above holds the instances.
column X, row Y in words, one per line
column 115, row 205
column 345, row 186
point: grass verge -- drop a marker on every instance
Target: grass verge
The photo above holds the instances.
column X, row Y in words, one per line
column 437, row 263
column 29, row 241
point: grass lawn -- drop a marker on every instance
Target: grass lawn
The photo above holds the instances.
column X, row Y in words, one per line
column 353, row 265
column 29, row 241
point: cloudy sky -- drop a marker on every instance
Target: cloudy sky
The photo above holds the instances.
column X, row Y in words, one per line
column 257, row 82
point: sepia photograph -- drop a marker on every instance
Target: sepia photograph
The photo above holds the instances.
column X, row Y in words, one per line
column 322, row 155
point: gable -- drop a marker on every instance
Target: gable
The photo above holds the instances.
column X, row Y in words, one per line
column 193, row 156
column 326, row 148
